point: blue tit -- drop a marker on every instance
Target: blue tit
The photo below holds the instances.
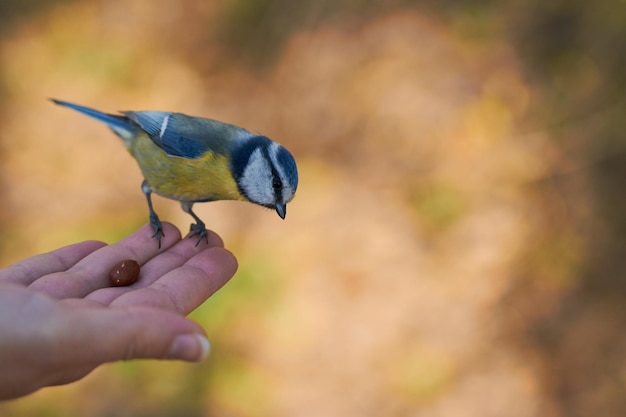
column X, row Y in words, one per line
column 193, row 159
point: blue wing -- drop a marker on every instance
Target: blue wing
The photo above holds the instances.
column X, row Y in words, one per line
column 176, row 133
column 186, row 136
column 162, row 129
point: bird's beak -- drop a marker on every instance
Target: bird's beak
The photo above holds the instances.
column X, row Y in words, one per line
column 281, row 209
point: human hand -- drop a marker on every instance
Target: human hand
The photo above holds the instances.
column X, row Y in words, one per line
column 59, row 319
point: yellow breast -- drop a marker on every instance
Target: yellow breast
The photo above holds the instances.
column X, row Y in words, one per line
column 205, row 178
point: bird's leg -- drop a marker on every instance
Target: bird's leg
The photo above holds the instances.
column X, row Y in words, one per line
column 197, row 228
column 154, row 219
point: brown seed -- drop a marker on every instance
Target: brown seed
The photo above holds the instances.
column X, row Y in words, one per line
column 124, row 273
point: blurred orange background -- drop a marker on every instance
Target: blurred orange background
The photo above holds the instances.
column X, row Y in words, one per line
column 457, row 243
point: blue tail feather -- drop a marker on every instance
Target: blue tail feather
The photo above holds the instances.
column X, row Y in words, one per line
column 113, row 121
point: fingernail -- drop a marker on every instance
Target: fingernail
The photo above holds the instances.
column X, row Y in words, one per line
column 189, row 347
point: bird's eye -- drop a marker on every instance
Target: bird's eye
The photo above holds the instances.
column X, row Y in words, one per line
column 277, row 184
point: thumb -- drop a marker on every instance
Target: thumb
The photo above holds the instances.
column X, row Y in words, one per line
column 108, row 335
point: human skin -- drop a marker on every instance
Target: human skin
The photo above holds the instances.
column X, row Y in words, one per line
column 60, row 319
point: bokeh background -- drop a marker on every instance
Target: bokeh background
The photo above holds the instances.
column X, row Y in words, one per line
column 458, row 242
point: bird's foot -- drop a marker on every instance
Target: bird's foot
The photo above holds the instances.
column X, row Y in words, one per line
column 157, row 227
column 199, row 229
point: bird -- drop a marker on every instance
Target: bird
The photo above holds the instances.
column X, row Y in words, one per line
column 193, row 159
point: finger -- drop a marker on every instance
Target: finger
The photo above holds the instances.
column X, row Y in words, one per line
column 99, row 335
column 91, row 272
column 27, row 271
column 180, row 253
column 186, row 287
column 140, row 333
column 157, row 267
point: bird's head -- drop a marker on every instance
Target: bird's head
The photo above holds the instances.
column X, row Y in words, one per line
column 266, row 173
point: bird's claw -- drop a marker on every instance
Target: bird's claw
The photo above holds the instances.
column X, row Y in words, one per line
column 199, row 229
column 157, row 227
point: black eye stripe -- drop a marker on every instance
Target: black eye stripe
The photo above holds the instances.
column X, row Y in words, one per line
column 277, row 184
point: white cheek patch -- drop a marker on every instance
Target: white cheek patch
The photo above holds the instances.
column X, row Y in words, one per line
column 256, row 178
